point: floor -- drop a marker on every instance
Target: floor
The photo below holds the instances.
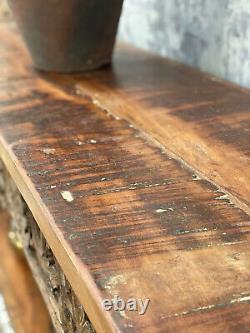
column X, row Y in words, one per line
column 5, row 321
column 22, row 309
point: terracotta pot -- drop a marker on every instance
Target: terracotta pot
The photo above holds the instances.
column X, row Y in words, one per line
column 68, row 35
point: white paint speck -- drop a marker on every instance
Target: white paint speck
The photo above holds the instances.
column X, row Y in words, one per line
column 48, row 151
column 53, row 186
column 240, row 299
column 67, row 196
column 130, row 325
column 96, row 102
column 93, row 141
column 161, row 210
column 79, row 143
column 222, row 197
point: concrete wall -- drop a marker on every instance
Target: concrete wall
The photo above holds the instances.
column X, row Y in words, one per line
column 213, row 35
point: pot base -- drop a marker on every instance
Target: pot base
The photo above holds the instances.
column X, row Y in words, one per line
column 70, row 69
column 68, row 36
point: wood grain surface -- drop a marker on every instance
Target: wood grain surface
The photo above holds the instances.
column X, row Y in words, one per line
column 24, row 302
column 137, row 176
column 202, row 120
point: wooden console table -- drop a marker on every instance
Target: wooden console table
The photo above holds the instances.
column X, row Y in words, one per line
column 129, row 181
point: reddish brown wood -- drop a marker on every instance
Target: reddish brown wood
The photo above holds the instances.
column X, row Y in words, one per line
column 23, row 300
column 142, row 223
column 200, row 119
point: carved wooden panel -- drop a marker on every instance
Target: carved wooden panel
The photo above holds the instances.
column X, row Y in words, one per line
column 67, row 313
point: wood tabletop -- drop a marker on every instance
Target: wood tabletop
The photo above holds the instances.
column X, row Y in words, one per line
column 138, row 176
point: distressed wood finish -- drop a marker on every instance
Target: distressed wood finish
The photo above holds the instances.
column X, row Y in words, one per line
column 200, row 119
column 66, row 312
column 140, row 222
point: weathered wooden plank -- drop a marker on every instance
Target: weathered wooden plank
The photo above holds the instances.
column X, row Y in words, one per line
column 122, row 215
column 202, row 120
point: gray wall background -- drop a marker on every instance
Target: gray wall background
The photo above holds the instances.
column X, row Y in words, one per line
column 213, row 35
